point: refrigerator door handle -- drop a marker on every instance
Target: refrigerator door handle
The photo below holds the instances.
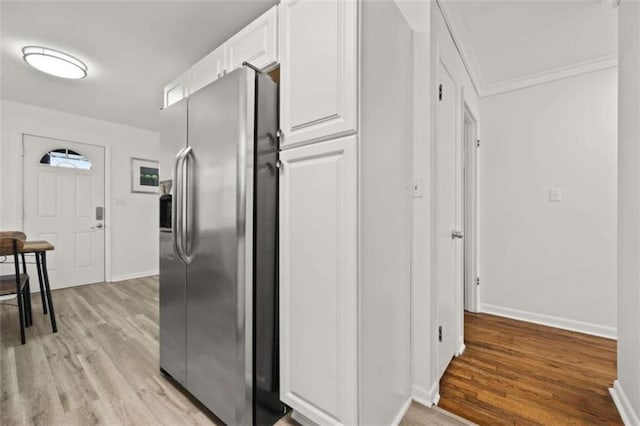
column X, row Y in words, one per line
column 178, row 205
column 188, row 205
column 176, row 201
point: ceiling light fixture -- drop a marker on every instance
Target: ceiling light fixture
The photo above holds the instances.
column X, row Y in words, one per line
column 54, row 62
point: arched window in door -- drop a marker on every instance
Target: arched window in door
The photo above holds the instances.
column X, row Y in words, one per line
column 63, row 157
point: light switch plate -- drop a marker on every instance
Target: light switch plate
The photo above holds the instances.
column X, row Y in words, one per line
column 417, row 188
column 555, row 194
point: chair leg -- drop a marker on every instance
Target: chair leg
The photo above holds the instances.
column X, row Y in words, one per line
column 21, row 313
column 52, row 315
column 27, row 295
column 43, row 295
column 27, row 319
column 30, row 304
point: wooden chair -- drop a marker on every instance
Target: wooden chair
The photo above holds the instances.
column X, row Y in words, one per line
column 17, row 283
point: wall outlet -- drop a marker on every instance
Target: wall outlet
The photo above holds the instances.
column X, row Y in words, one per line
column 555, row 194
column 120, row 201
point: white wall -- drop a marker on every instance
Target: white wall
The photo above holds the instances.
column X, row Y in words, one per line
column 542, row 261
column 626, row 391
column 421, row 310
column 134, row 225
column 385, row 214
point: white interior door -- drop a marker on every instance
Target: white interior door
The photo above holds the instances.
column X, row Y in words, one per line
column 63, row 193
column 448, row 217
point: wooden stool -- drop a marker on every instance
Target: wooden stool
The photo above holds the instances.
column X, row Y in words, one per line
column 17, row 283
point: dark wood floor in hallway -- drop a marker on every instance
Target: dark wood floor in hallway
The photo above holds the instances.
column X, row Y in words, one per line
column 514, row 372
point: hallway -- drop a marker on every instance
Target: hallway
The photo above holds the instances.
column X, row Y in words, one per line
column 513, row 372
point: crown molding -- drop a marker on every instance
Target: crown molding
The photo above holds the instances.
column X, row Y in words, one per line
column 593, row 65
column 455, row 23
column 462, row 40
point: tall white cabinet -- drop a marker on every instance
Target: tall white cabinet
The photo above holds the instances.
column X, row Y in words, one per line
column 344, row 210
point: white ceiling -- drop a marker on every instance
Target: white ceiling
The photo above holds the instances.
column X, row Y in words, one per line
column 132, row 50
column 511, row 44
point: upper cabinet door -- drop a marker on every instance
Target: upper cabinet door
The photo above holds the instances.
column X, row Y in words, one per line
column 207, row 70
column 257, row 43
column 177, row 90
column 318, row 69
column 318, row 282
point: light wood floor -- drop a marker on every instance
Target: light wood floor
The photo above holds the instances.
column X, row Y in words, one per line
column 102, row 365
column 514, row 372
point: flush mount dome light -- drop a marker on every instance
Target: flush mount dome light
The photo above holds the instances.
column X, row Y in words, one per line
column 54, row 62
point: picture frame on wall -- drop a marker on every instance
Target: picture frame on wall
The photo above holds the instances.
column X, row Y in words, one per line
column 145, row 176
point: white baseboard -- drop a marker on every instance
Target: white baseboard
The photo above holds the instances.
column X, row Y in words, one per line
column 627, row 413
column 421, row 395
column 133, row 276
column 426, row 397
column 461, row 349
column 398, row 418
column 564, row 323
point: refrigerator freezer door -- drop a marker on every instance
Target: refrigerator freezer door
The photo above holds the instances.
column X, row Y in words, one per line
column 219, row 223
column 268, row 407
column 173, row 273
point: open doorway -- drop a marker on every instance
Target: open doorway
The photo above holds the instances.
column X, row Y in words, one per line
column 538, row 209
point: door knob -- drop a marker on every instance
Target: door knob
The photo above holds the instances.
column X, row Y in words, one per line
column 456, row 234
column 98, row 226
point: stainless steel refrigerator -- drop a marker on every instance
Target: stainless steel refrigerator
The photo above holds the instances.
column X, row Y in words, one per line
column 218, row 248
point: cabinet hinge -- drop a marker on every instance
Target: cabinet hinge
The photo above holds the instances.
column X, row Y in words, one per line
column 477, row 280
column 440, row 92
column 440, row 334
column 478, row 143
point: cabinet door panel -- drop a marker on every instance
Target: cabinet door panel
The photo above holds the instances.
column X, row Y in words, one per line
column 318, row 55
column 257, row 43
column 177, row 90
column 318, row 288
column 207, row 70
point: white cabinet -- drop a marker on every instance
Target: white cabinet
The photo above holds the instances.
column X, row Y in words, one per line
column 318, row 284
column 176, row 90
column 318, row 69
column 207, row 70
column 257, row 43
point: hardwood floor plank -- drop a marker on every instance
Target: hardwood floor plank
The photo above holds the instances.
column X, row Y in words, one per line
column 515, row 372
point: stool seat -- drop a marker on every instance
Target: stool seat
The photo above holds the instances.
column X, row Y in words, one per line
column 37, row 246
column 8, row 283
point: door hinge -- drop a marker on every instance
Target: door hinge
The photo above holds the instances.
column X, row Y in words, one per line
column 440, row 334
column 478, row 143
column 477, row 280
column 440, row 92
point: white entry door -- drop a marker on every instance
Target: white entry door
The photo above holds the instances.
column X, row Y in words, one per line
column 64, row 204
column 448, row 217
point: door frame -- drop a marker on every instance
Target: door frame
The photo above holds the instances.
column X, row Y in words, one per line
column 471, row 145
column 107, row 194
